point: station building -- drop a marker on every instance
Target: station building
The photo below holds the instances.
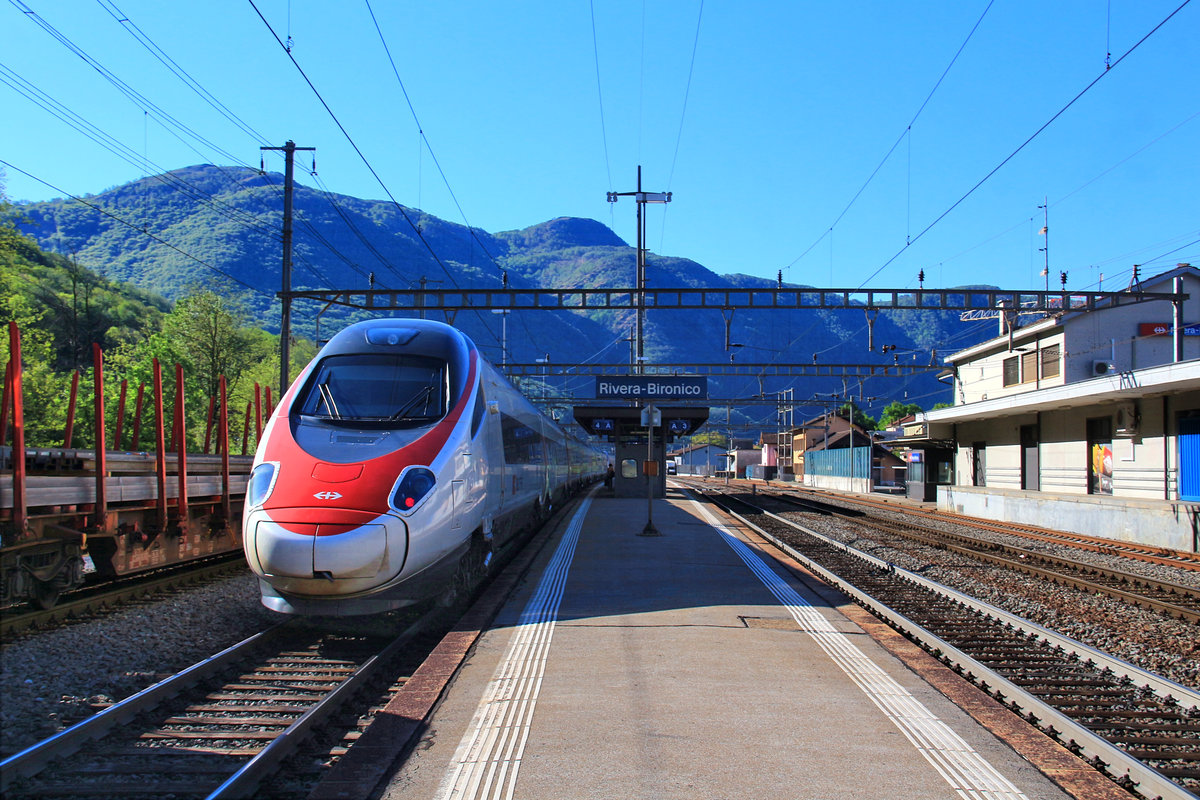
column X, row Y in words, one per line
column 1081, row 421
column 700, row 459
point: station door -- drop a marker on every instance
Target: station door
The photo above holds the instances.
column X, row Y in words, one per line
column 1189, row 459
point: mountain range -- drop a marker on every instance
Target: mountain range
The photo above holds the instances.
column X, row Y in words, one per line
column 220, row 228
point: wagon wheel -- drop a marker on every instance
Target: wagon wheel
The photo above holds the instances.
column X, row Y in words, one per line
column 45, row 594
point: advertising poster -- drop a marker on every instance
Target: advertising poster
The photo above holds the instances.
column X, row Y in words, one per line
column 1102, row 468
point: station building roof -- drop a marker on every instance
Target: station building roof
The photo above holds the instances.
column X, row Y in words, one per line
column 1173, row 378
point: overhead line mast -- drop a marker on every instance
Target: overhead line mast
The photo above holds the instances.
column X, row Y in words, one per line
column 641, row 198
column 285, row 297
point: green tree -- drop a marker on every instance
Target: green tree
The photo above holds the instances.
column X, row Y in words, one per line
column 860, row 417
column 209, row 337
column 711, row 437
column 895, row 411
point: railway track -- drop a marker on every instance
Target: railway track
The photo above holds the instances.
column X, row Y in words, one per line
column 222, row 727
column 276, row 715
column 106, row 595
column 1174, row 599
column 1141, row 730
column 1141, row 552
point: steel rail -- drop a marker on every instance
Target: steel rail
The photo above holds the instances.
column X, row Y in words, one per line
column 243, row 783
column 1143, row 552
column 34, row 758
column 969, row 546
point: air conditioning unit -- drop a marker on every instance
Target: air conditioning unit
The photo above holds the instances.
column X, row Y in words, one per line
column 1128, row 421
column 1103, row 368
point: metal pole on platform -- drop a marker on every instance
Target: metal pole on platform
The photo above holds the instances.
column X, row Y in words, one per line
column 648, row 417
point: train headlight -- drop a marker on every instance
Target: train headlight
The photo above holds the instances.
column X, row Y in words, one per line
column 414, row 485
column 262, row 481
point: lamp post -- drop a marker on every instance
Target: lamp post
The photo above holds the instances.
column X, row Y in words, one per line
column 651, row 417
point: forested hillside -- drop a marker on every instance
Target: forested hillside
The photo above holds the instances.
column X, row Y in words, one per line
column 216, row 229
column 61, row 308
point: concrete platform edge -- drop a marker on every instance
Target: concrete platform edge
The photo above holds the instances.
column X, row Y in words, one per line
column 397, row 728
column 1056, row 762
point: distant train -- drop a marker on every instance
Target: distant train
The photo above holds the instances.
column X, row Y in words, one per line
column 394, row 467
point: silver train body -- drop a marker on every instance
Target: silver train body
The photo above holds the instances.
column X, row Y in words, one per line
column 395, row 465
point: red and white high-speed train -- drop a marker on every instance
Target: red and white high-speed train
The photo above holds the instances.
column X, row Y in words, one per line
column 395, row 465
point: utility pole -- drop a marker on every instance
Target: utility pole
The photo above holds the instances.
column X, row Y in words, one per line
column 641, row 198
column 285, row 323
column 1045, row 231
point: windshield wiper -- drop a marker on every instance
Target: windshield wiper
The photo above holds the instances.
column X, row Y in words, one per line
column 418, row 398
column 327, row 399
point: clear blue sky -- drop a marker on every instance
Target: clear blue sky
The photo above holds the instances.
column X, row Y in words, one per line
column 535, row 110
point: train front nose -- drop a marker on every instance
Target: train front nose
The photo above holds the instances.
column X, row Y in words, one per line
column 320, row 552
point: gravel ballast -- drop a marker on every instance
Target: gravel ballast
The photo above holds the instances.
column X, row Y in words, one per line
column 52, row 679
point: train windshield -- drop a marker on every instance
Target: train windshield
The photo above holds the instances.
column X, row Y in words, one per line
column 377, row 388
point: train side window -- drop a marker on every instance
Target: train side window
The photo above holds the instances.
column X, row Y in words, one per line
column 479, row 410
column 522, row 444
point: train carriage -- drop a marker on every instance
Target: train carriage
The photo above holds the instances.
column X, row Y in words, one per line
column 396, row 464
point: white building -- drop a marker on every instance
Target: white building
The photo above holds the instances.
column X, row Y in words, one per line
column 1084, row 421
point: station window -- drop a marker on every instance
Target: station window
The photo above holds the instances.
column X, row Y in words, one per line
column 1029, row 367
column 1051, row 360
column 1012, row 371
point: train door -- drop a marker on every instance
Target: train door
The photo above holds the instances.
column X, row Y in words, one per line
column 456, row 499
column 490, row 443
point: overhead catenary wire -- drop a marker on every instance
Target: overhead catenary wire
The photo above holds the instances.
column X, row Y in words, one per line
column 433, row 156
column 362, row 156
column 170, row 63
column 687, row 90
column 600, row 101
column 170, row 178
column 1024, row 144
column 161, row 55
column 124, row 152
column 137, row 228
column 150, row 111
column 425, row 139
column 366, row 242
column 137, row 98
column 905, row 133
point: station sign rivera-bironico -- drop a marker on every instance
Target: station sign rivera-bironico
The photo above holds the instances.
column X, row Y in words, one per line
column 652, row 387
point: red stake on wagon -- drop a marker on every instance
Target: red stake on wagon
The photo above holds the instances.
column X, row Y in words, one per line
column 101, row 509
column 20, row 498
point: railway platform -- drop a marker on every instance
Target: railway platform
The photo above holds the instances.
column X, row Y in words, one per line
column 697, row 663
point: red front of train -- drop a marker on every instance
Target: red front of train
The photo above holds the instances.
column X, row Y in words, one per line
column 360, row 483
